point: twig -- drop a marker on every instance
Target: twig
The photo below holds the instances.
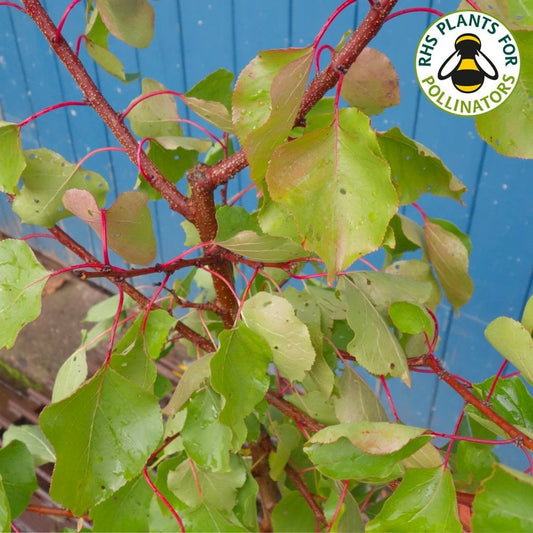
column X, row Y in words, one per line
column 306, row 494
column 176, row 200
column 183, row 330
column 293, row 412
column 268, row 488
column 319, row 86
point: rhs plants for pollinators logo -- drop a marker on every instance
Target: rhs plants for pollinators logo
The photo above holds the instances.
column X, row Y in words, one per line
column 467, row 63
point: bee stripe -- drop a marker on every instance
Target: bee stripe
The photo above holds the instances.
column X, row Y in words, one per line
column 467, row 64
column 468, row 88
column 467, row 37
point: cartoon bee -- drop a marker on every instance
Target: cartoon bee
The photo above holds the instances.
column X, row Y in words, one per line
column 468, row 65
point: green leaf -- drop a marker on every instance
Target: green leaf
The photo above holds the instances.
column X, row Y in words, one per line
column 288, row 437
column 527, row 316
column 337, row 186
column 416, row 169
column 514, row 342
column 109, row 62
column 263, row 247
column 293, row 514
column 376, row 438
column 274, row 319
column 196, row 373
column 508, row 127
column 410, row 318
column 371, row 83
column 234, row 219
column 107, row 309
column 216, row 87
column 18, row 476
column 72, row 372
column 22, row 280
column 316, row 404
column 510, row 399
column 342, row 460
column 383, row 289
column 515, row 15
column 5, row 511
column 368, row 451
column 128, row 223
column 206, row 441
column 473, row 463
column 171, row 163
column 504, row 502
column 373, row 344
column 46, row 178
column 424, row 501
column 416, row 270
column 218, row 489
column 357, row 401
column 127, row 510
column 156, row 116
column 238, row 372
column 246, row 508
column 102, row 435
column 12, row 161
column 449, row 257
column 35, row 441
column 266, row 99
column 348, row 517
column 131, row 21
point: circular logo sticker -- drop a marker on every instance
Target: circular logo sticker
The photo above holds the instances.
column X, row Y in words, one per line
column 467, row 63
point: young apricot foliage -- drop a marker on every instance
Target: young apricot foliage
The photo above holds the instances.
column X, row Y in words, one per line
column 274, row 424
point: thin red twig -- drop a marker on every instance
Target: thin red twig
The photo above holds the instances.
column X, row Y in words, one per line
column 473, row 4
column 155, row 490
column 339, row 505
column 47, row 110
column 105, row 250
column 12, row 4
column 64, row 18
column 389, row 398
column 496, row 378
column 414, row 10
column 115, row 325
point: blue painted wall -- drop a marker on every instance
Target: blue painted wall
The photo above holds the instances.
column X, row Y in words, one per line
column 195, row 38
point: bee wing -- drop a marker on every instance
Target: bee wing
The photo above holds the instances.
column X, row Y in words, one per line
column 485, row 65
column 449, row 65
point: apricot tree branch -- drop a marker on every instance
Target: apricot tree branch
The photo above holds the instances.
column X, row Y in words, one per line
column 176, row 200
column 319, row 86
column 183, row 330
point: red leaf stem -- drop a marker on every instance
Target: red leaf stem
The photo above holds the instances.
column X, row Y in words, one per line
column 452, row 437
column 177, row 201
column 105, row 250
column 389, row 398
column 496, row 378
column 414, row 10
column 47, row 110
column 143, row 97
column 306, row 494
column 12, row 4
column 473, row 4
column 339, row 505
column 64, row 18
column 114, row 327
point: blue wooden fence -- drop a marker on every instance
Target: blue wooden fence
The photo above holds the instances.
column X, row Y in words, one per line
column 196, row 37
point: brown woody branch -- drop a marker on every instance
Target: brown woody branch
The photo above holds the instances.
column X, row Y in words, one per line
column 223, row 171
column 521, row 438
column 176, row 200
column 293, row 412
column 183, row 330
column 205, row 221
